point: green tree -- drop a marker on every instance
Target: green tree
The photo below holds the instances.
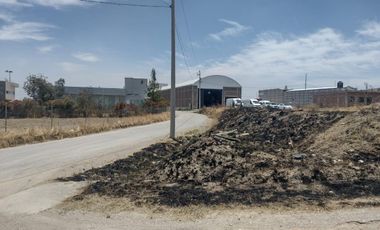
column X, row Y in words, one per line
column 38, row 88
column 153, row 88
column 154, row 103
column 85, row 104
column 59, row 88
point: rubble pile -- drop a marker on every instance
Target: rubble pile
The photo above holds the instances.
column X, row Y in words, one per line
column 254, row 156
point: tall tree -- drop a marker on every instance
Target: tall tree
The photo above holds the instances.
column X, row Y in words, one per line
column 59, row 88
column 38, row 88
column 85, row 104
column 153, row 88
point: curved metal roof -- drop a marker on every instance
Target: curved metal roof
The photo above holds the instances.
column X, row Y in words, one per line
column 210, row 82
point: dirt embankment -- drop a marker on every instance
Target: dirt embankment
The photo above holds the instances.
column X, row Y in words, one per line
column 254, row 156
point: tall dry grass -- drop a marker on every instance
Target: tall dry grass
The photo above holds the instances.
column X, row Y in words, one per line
column 354, row 108
column 213, row 112
column 26, row 131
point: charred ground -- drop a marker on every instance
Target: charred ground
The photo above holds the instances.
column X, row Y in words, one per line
column 253, row 156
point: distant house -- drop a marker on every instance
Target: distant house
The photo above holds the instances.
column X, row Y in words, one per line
column 8, row 90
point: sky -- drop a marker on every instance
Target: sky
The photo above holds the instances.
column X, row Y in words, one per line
column 260, row 43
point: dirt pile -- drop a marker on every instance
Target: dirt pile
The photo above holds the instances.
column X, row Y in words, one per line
column 254, row 156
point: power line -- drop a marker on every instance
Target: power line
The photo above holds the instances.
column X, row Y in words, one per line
column 124, row 4
column 182, row 51
column 188, row 29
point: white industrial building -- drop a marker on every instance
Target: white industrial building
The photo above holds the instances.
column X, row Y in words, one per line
column 134, row 92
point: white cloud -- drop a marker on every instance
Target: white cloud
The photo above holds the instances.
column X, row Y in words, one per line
column 70, row 67
column 13, row 3
column 56, row 3
column 20, row 31
column 46, row 49
column 276, row 61
column 6, row 17
column 233, row 30
column 47, row 3
column 87, row 57
column 370, row 29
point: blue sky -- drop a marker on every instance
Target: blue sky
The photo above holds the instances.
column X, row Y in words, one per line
column 260, row 43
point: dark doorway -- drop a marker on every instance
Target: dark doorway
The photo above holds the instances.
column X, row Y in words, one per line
column 211, row 97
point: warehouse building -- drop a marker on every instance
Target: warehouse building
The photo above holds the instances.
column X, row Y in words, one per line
column 213, row 90
column 105, row 97
column 134, row 92
column 347, row 98
column 301, row 97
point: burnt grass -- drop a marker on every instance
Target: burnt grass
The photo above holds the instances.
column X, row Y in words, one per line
column 251, row 157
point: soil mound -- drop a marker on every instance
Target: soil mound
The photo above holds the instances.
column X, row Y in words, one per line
column 254, row 156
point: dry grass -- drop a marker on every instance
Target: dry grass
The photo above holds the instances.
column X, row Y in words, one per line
column 26, row 131
column 359, row 130
column 315, row 108
column 213, row 112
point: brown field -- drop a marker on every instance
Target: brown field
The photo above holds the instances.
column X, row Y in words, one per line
column 32, row 130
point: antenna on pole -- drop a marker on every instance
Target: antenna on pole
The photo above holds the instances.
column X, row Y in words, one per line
column 172, row 91
column 304, row 96
column 305, row 81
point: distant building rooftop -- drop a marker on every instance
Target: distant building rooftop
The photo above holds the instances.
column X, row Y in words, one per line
column 209, row 82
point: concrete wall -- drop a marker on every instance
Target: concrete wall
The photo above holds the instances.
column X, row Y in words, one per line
column 8, row 90
column 346, row 98
column 107, row 97
column 298, row 97
column 230, row 92
column 186, row 97
column 135, row 90
column 274, row 95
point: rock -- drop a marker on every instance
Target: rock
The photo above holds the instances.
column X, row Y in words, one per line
column 299, row 156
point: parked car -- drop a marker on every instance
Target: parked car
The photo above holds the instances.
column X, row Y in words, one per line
column 251, row 103
column 265, row 103
column 233, row 102
column 283, row 106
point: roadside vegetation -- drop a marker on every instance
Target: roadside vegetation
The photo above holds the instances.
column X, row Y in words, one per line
column 27, row 131
column 213, row 112
column 49, row 115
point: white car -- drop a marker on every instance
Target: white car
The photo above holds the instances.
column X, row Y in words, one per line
column 265, row 103
column 251, row 103
column 233, row 102
column 269, row 104
column 283, row 106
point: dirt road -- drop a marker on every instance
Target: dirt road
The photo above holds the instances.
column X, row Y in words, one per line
column 364, row 218
column 22, row 168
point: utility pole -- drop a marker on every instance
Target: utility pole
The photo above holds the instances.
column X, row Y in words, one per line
column 172, row 91
column 199, row 90
column 9, row 74
column 6, row 116
column 366, row 93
